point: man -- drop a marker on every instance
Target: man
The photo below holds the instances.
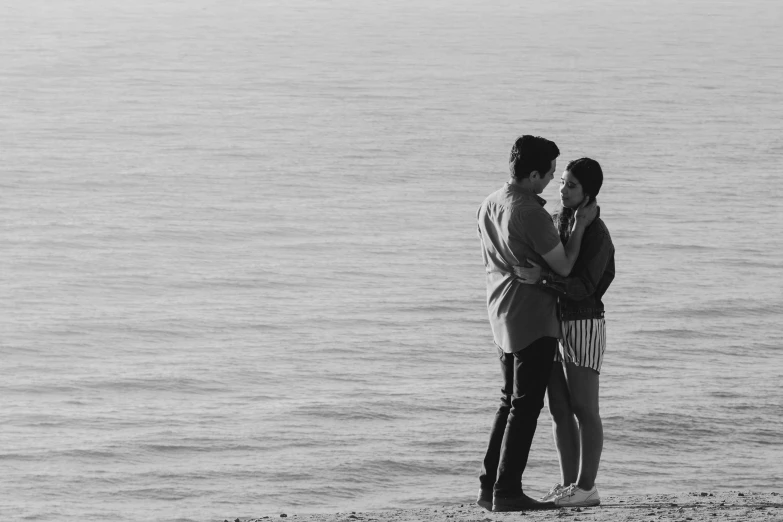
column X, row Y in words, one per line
column 513, row 226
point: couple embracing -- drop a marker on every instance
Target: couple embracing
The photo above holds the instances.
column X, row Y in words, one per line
column 546, row 276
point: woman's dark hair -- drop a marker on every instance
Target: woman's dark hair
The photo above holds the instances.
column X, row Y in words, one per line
column 591, row 177
column 531, row 153
column 589, row 173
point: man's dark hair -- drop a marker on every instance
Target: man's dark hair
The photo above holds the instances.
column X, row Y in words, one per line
column 531, row 153
column 589, row 173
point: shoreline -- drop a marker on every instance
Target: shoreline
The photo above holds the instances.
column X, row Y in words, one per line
column 739, row 506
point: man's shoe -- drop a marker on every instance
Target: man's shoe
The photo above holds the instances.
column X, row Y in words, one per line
column 519, row 503
column 553, row 493
column 574, row 496
column 485, row 499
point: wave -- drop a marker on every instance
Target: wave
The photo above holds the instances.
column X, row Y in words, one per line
column 203, row 446
column 353, row 412
column 736, row 309
column 81, row 454
column 160, row 492
column 381, row 469
column 676, row 333
column 164, row 383
column 455, row 306
column 678, row 247
column 20, row 456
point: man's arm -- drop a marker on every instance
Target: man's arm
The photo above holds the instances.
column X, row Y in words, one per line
column 561, row 259
column 596, row 256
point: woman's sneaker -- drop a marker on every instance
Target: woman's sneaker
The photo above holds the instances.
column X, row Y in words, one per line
column 574, row 496
column 553, row 493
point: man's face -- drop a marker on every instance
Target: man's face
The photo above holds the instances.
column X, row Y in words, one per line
column 545, row 178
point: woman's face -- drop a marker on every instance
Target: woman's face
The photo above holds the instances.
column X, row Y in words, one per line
column 571, row 193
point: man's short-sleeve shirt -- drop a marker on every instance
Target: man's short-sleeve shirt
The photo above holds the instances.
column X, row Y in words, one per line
column 514, row 226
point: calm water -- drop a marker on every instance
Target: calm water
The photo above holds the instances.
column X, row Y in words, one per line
column 240, row 271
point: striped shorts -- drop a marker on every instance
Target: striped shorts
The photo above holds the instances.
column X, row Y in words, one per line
column 583, row 343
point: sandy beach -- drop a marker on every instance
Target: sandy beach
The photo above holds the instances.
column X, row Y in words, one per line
column 693, row 506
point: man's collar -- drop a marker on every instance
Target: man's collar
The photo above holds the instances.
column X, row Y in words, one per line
column 524, row 190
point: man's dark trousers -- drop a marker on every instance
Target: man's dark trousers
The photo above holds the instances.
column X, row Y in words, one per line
column 525, row 377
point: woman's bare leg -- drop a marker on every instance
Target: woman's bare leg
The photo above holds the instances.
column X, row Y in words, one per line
column 583, row 388
column 564, row 427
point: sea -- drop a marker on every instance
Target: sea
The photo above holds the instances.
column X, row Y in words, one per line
column 240, row 274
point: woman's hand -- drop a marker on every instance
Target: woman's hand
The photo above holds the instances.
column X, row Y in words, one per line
column 529, row 276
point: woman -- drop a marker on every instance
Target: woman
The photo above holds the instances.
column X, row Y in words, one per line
column 573, row 384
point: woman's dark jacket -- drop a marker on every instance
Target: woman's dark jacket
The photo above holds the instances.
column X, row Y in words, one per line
column 579, row 294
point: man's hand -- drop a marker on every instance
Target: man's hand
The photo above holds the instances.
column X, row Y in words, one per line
column 529, row 276
column 586, row 212
column 561, row 259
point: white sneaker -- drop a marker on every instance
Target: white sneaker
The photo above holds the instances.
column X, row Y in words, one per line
column 553, row 493
column 574, row 496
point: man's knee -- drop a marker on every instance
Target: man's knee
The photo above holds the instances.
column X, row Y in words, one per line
column 527, row 405
column 505, row 403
